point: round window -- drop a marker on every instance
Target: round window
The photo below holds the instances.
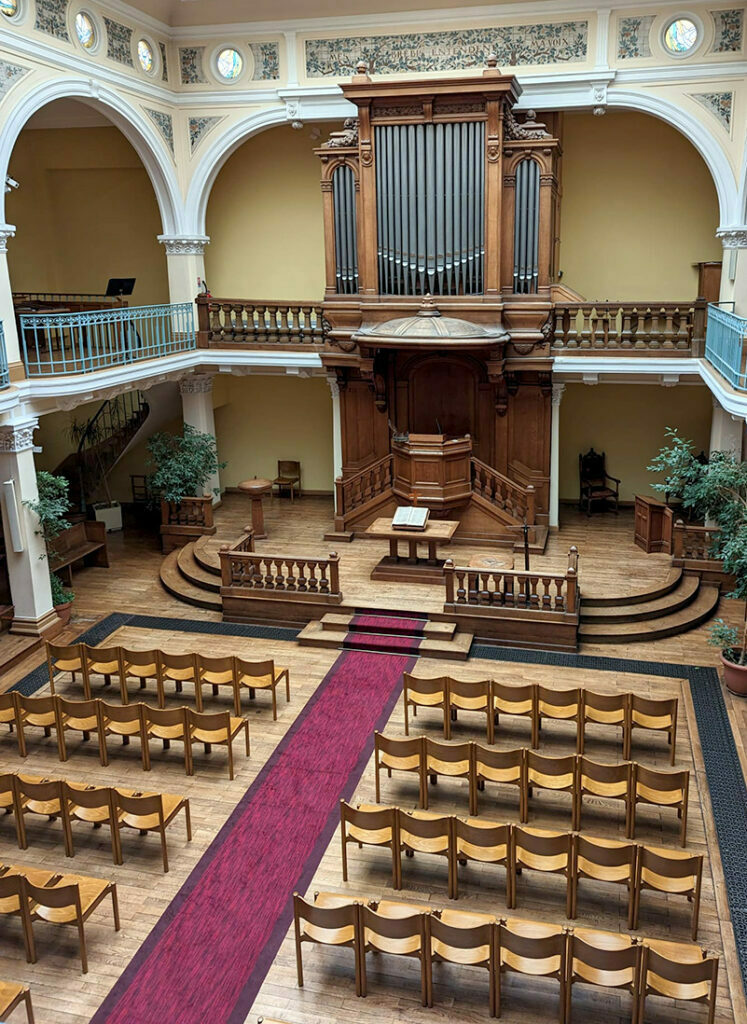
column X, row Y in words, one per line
column 680, row 36
column 145, row 56
column 9, row 8
column 84, row 30
column 230, row 64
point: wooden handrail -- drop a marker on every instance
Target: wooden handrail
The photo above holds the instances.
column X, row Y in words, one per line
column 498, row 588
column 624, row 326
column 693, row 542
column 287, row 574
column 227, row 322
column 503, row 492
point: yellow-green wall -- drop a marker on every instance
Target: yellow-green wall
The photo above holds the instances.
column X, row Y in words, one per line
column 85, row 212
column 639, row 208
column 627, row 421
column 259, row 420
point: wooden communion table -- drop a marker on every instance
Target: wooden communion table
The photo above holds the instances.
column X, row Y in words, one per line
column 410, row 568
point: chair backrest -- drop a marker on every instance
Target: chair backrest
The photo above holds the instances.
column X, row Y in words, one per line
column 608, row 853
column 532, row 947
column 98, row 656
column 658, row 968
column 592, row 467
column 255, row 668
column 445, row 757
column 9, row 700
column 605, row 701
column 546, row 766
column 122, row 713
column 142, row 804
column 407, row 746
column 476, row 936
column 558, row 703
column 95, row 796
column 211, row 721
column 406, row 927
column 219, row 665
column 178, row 663
column 48, row 790
column 491, row 757
column 165, row 716
column 372, row 819
column 36, row 705
column 510, row 693
column 7, row 782
column 470, row 689
column 602, row 772
column 414, row 686
column 488, row 836
column 66, row 652
column 664, row 709
column 289, row 468
column 430, row 827
column 661, row 781
column 12, row 885
column 331, row 918
column 54, row 897
column 541, row 843
column 140, row 659
column 670, row 864
column 604, row 958
column 78, row 708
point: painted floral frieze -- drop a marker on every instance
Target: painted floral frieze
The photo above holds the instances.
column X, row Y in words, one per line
column 633, row 37
column 266, row 61
column 550, row 43
column 51, row 17
column 165, row 125
column 191, row 65
column 164, row 63
column 719, row 103
column 10, row 73
column 199, row 127
column 118, row 42
column 729, row 27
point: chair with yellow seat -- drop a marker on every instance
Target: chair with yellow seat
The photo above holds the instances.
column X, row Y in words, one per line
column 518, row 701
column 661, row 789
column 605, row 960
column 688, row 981
column 559, row 706
column 13, row 995
column 44, row 797
column 8, row 801
column 93, row 805
column 541, row 850
column 167, row 724
column 604, row 781
column 400, row 755
column 218, row 728
column 37, row 713
column 425, row 693
column 503, row 767
column 140, row 665
column 466, row 944
column 106, row 662
column 424, row 832
column 369, row 825
column 655, row 715
column 610, row 709
column 71, row 900
column 67, row 658
column 78, row 716
column 261, row 675
column 470, row 695
column 397, row 935
column 604, row 860
column 670, row 872
column 451, row 760
column 14, row 903
column 177, row 669
column 9, row 717
column 149, row 812
column 334, row 924
column 217, row 673
column 533, row 949
column 126, row 721
column 485, row 842
column 554, row 773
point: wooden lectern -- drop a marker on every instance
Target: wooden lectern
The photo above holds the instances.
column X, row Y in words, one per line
column 434, row 467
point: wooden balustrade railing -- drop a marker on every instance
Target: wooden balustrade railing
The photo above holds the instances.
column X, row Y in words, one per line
column 188, row 512
column 227, row 323
column 505, row 494
column 694, row 543
column 497, row 588
column 355, row 491
column 599, row 327
column 290, row 576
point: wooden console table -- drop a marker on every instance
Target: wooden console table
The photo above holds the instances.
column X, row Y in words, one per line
column 410, row 568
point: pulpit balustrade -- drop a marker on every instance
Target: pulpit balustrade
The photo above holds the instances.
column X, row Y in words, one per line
column 676, row 327
column 227, row 323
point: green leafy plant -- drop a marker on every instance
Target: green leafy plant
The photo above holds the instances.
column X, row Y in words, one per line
column 182, row 464
column 60, row 593
column 51, row 508
column 727, row 638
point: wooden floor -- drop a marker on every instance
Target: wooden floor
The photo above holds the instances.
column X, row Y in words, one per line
column 609, row 563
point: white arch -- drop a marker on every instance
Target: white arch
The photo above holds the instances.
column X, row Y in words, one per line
column 130, row 121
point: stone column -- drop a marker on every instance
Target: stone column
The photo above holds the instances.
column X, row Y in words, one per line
column 334, row 387
column 28, row 567
column 734, row 273
column 727, row 431
column 185, row 256
column 197, row 410
column 557, row 397
column 7, row 313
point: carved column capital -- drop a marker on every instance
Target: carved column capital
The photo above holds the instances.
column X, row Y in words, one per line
column 334, row 386
column 6, row 231
column 184, row 245
column 557, row 393
column 18, row 437
column 196, row 384
column 734, row 237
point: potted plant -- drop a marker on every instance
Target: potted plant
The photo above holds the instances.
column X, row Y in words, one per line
column 51, row 508
column 733, row 654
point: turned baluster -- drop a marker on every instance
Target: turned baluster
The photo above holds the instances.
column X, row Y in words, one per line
column 508, row 589
column 334, row 572
column 571, row 337
column 613, row 316
column 627, row 334
column 214, row 320
column 449, row 580
column 485, row 595
column 559, row 334
column 598, row 323
column 305, row 331
column 668, row 332
column 300, row 566
column 639, row 328
column 477, row 483
column 256, row 319
column 313, row 577
column 585, row 341
column 684, row 328
column 268, row 572
column 323, row 581
column 461, row 588
column 227, row 332
column 655, row 331
column 290, row 580
column 473, row 588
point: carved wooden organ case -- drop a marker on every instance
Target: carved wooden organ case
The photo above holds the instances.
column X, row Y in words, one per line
column 438, row 195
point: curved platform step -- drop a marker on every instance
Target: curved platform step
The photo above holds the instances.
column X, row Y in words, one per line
column 671, row 583
column 683, row 595
column 173, row 581
column 206, row 554
column 193, row 571
column 698, row 611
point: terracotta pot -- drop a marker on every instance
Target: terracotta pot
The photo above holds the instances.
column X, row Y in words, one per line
column 64, row 611
column 735, row 676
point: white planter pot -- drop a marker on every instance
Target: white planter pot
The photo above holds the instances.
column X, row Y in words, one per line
column 109, row 514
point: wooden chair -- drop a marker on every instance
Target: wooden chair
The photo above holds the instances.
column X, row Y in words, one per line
column 559, row 706
column 595, row 483
column 470, row 695
column 693, row 981
column 8, row 800
column 95, row 806
column 106, row 662
column 14, row 903
column 486, row 842
column 540, row 850
column 534, row 949
column 555, row 773
column 78, row 716
column 468, row 945
column 603, row 709
column 216, row 673
column 67, row 658
column 670, row 872
column 604, row 860
column 398, row 935
column 167, row 724
column 289, row 477
column 452, row 760
column 368, row 825
column 11, row 996
column 71, row 901
column 261, row 675
column 423, row 832
column 142, row 666
column 125, row 720
column 219, row 728
column 149, row 812
column 37, row 713
column 327, row 926
column 605, row 781
column 662, row 789
column 504, row 767
column 518, row 701
column 400, row 755
column 658, row 715
column 177, row 669
column 425, row 693
column 47, row 798
column 605, row 960
column 9, row 717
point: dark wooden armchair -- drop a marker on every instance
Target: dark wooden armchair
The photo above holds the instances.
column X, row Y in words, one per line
column 289, row 477
column 595, row 482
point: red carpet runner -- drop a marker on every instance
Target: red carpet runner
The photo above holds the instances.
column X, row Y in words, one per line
column 208, row 955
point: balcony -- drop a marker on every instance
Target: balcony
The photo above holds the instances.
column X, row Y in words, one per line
column 628, row 328
column 726, row 346
column 246, row 323
column 4, row 375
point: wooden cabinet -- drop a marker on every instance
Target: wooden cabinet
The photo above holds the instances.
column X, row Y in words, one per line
column 653, row 524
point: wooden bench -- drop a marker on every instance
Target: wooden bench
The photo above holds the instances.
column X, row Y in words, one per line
column 84, row 541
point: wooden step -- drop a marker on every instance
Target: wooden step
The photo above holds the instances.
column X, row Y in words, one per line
column 432, row 630
column 681, row 597
column 181, row 588
column 671, row 583
column 698, row 611
column 457, row 648
column 193, row 571
column 206, row 554
column 14, row 648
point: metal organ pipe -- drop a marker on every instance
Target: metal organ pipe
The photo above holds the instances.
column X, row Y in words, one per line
column 526, row 227
column 346, row 243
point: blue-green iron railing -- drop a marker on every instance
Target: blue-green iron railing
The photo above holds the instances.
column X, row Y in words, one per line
column 726, row 345
column 4, row 375
column 58, row 343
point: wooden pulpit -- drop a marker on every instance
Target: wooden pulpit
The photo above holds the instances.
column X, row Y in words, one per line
column 435, row 468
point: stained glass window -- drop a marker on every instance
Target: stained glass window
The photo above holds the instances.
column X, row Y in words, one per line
column 84, row 30
column 230, row 64
column 681, row 36
column 9, row 7
column 145, row 55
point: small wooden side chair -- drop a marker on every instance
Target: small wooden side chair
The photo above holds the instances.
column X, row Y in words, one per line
column 485, row 842
column 8, row 799
column 398, row 935
column 220, row 728
column 610, row 709
column 535, row 949
column 605, row 860
column 471, row 695
column 540, row 850
column 37, row 713
column 656, row 715
column 694, row 981
column 288, row 478
column 150, row 812
column 217, row 672
column 519, row 701
column 424, row 832
column 555, row 773
column 400, row 755
column 167, row 724
column 45, row 797
column 11, row 996
column 9, row 717
column 67, row 658
column 125, row 720
column 558, row 706
column 605, row 960
column 93, row 805
column 142, row 666
column 468, row 945
column 452, row 760
column 78, row 716
column 71, row 901
column 369, row 825
column 503, row 767
column 327, row 926
column 106, row 662
column 261, row 675
column 662, row 789
column 671, row 872
column 606, row 782
column 432, row 693
column 15, row 903
column 178, row 669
